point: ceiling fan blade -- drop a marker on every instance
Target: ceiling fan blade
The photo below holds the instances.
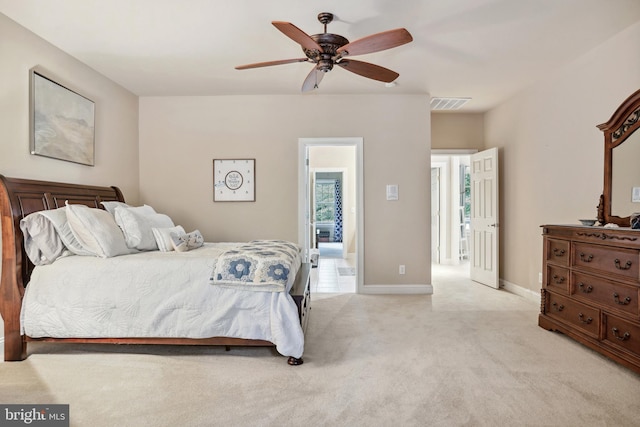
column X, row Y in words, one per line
column 376, row 42
column 270, row 63
column 313, row 80
column 368, row 70
column 297, row 35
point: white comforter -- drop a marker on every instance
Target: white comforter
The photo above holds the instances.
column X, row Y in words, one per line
column 154, row 294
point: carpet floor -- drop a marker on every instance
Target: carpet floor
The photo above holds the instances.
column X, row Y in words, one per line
column 465, row 356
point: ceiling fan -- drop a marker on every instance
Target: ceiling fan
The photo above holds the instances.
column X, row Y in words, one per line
column 326, row 50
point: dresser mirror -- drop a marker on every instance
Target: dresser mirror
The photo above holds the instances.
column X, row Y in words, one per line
column 621, row 164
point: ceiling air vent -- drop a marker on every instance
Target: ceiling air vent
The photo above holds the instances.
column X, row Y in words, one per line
column 440, row 104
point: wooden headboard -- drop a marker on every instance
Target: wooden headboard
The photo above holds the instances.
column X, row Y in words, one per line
column 19, row 198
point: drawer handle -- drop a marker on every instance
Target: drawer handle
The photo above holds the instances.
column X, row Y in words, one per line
column 558, row 252
column 622, row 267
column 586, row 290
column 588, row 320
column 624, row 337
column 585, row 258
column 558, row 279
column 616, row 298
column 558, row 307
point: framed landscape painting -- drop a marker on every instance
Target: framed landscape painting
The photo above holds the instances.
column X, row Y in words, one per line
column 62, row 121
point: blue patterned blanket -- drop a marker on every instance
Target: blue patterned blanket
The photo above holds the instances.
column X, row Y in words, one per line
column 260, row 265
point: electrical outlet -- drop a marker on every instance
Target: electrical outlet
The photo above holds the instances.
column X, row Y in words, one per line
column 401, row 269
column 539, row 277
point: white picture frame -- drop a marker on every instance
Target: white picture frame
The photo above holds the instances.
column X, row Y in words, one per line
column 234, row 180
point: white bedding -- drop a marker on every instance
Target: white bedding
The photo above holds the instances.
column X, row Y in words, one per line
column 166, row 296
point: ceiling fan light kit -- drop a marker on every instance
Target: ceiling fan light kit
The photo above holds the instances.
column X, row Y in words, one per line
column 326, row 50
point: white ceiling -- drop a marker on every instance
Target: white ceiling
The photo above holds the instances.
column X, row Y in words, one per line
column 484, row 49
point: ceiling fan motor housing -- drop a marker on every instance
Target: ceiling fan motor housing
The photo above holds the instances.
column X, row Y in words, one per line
column 329, row 44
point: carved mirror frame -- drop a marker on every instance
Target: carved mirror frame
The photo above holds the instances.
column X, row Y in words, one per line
column 624, row 121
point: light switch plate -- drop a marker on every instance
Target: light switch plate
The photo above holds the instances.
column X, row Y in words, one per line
column 392, row 192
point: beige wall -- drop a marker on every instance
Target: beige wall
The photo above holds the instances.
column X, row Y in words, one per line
column 180, row 136
column 551, row 151
column 456, row 131
column 116, row 139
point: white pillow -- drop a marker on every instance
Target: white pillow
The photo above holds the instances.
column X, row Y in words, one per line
column 163, row 236
column 58, row 218
column 97, row 231
column 111, row 206
column 142, row 210
column 136, row 224
column 42, row 243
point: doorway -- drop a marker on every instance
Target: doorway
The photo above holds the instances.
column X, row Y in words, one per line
column 328, row 218
column 450, row 212
column 330, row 225
column 468, row 215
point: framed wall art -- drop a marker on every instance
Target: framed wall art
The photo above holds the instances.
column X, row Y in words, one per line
column 234, row 180
column 61, row 121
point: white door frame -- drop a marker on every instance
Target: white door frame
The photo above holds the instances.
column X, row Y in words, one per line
column 435, row 215
column 443, row 194
column 303, row 196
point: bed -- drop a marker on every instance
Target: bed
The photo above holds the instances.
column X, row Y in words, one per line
column 143, row 297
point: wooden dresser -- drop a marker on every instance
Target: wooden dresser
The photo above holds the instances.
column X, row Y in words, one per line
column 591, row 287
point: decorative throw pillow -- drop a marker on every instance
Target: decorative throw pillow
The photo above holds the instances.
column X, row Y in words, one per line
column 97, row 231
column 186, row 242
column 58, row 218
column 111, row 206
column 137, row 224
column 42, row 243
column 163, row 237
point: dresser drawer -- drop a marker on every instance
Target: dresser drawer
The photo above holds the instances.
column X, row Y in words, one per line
column 607, row 260
column 557, row 279
column 557, row 251
column 583, row 317
column 610, row 295
column 622, row 333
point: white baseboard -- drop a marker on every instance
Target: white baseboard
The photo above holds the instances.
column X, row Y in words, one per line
column 520, row 291
column 428, row 290
column 397, row 289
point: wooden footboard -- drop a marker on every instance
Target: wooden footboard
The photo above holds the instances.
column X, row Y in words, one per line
column 301, row 293
column 21, row 197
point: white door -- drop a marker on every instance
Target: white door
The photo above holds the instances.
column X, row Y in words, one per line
column 484, row 218
column 435, row 215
